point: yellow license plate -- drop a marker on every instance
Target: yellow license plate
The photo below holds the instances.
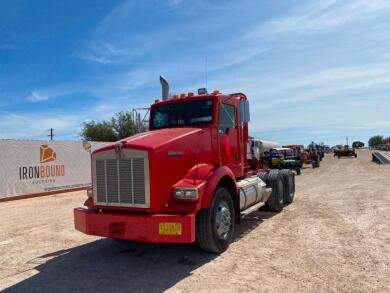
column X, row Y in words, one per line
column 165, row 228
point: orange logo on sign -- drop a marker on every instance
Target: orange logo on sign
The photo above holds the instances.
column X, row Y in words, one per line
column 47, row 154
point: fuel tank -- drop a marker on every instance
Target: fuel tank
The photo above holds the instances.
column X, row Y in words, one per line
column 252, row 191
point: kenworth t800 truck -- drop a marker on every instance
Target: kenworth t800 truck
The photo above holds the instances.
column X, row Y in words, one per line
column 191, row 177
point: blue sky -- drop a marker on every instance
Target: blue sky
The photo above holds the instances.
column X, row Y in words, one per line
column 313, row 70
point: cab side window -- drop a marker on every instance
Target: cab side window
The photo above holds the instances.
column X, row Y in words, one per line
column 227, row 118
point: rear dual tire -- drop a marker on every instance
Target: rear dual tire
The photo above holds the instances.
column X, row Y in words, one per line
column 275, row 202
column 288, row 185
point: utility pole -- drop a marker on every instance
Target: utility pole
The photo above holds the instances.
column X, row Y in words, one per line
column 51, row 133
column 347, row 139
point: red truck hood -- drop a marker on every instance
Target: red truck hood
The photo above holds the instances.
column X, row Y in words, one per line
column 156, row 138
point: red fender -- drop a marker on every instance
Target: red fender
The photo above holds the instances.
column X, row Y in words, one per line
column 212, row 183
column 206, row 178
column 211, row 176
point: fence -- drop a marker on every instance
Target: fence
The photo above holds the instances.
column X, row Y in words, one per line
column 31, row 167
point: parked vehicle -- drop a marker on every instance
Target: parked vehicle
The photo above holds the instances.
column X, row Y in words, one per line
column 320, row 149
column 313, row 157
column 346, row 151
column 187, row 179
column 283, row 158
column 306, row 156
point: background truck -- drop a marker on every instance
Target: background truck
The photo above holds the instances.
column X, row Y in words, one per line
column 346, row 151
column 283, row 158
column 187, row 179
column 320, row 149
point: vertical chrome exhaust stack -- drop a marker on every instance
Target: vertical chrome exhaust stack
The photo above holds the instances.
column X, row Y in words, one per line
column 164, row 88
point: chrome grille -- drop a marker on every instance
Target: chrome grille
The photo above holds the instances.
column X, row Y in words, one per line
column 121, row 182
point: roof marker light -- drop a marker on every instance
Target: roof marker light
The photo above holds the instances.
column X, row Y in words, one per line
column 202, row 91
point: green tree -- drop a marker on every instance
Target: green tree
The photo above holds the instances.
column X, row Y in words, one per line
column 98, row 131
column 376, row 140
column 123, row 124
column 357, row 144
column 118, row 127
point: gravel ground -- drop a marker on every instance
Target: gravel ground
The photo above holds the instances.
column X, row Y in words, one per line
column 335, row 237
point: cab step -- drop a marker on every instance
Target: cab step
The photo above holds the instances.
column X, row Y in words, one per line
column 252, row 209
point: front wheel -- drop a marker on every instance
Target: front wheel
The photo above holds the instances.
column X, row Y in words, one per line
column 215, row 226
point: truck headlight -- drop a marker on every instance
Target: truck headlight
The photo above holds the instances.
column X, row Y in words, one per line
column 185, row 193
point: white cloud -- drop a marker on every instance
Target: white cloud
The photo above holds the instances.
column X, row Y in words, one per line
column 323, row 15
column 37, row 97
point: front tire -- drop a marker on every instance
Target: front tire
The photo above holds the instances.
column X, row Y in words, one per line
column 215, row 226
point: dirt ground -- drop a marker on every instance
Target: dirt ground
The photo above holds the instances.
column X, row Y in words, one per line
column 335, row 237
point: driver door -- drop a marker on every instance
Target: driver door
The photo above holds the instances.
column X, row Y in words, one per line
column 229, row 138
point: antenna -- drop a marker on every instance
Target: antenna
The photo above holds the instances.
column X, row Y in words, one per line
column 205, row 69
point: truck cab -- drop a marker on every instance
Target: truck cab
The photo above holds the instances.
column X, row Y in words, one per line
column 186, row 179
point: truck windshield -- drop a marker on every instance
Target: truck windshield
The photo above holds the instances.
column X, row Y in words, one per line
column 182, row 114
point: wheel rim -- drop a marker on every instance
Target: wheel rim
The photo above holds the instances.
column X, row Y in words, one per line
column 280, row 193
column 223, row 220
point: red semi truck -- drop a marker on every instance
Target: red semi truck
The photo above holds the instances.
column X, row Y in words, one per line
column 187, row 179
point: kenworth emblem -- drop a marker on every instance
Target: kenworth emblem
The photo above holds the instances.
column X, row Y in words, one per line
column 118, row 150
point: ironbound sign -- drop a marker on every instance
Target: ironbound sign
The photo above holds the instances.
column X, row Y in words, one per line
column 30, row 166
